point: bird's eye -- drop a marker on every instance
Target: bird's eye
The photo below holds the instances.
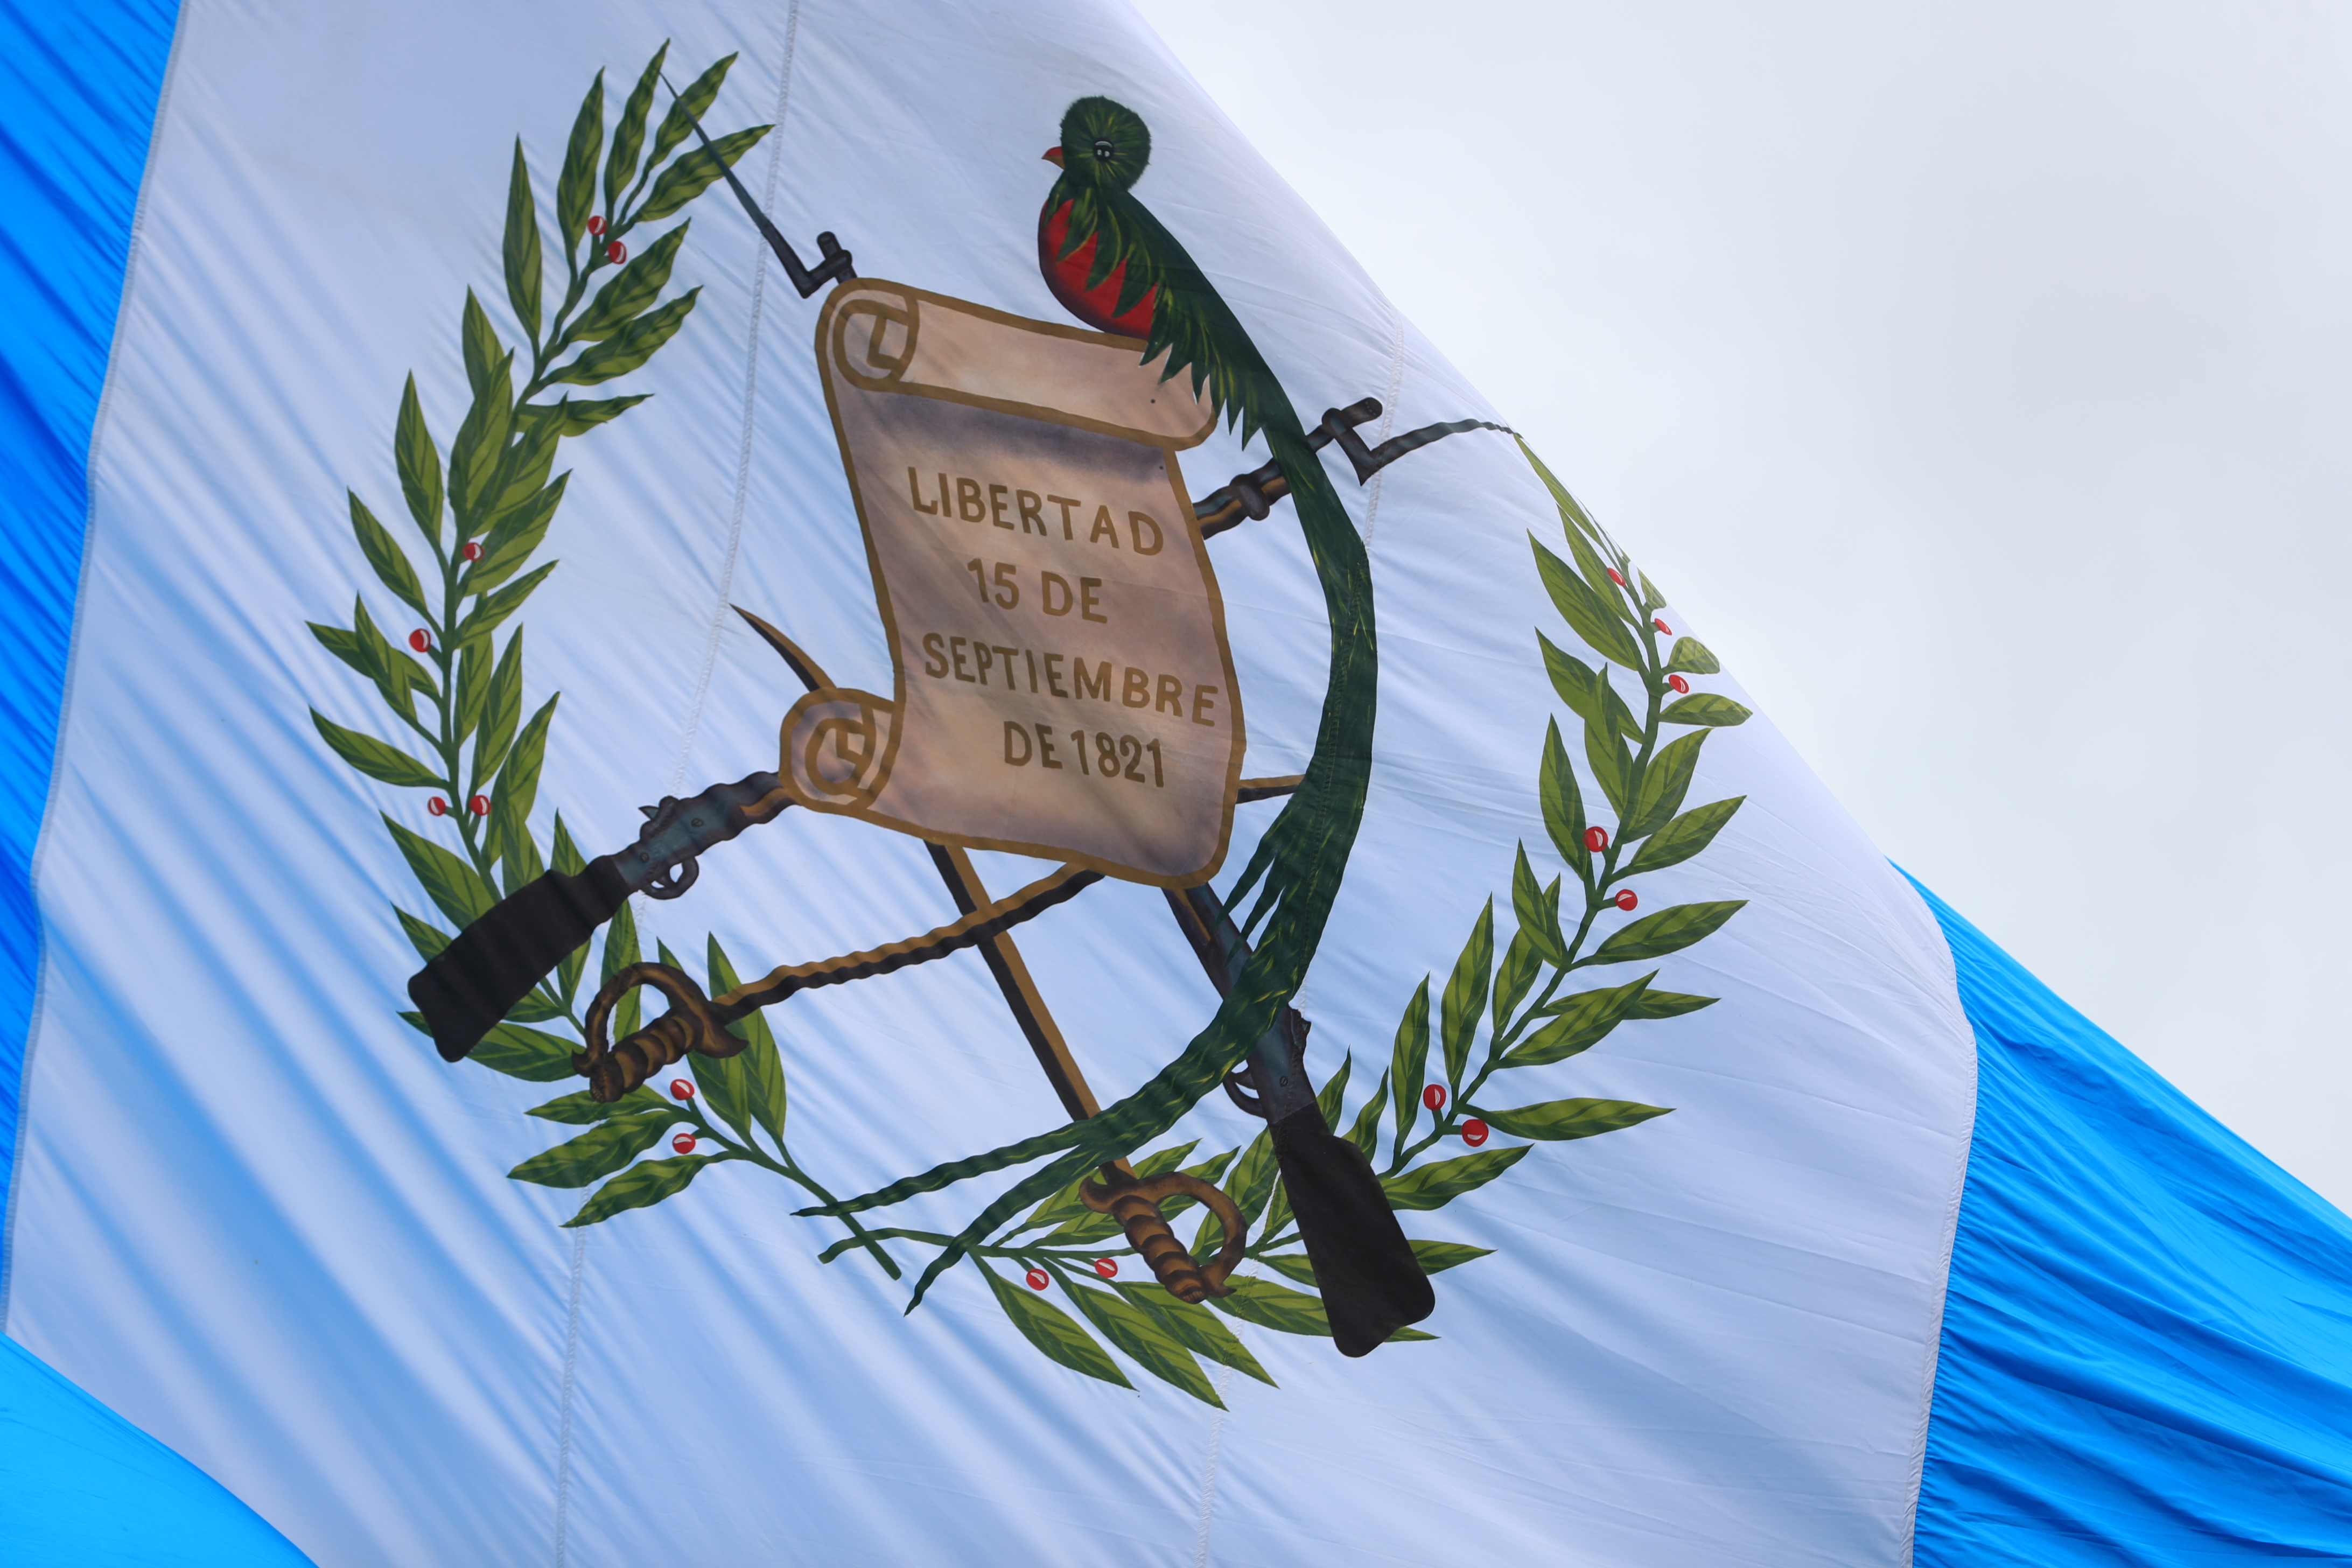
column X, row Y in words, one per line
column 1105, row 151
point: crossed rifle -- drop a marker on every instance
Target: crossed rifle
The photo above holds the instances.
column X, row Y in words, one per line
column 1370, row 1282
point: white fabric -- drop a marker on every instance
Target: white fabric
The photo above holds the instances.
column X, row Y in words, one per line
column 256, row 1214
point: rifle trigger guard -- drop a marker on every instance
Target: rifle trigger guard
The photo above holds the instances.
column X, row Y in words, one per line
column 1135, row 1205
column 613, row 1071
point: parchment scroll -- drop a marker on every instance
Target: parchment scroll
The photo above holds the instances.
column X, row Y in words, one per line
column 1063, row 683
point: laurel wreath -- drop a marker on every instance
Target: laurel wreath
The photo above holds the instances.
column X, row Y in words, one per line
column 476, row 758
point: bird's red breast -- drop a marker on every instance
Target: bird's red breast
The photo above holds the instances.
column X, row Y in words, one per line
column 1066, row 277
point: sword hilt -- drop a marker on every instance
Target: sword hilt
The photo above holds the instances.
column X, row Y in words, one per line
column 1135, row 1203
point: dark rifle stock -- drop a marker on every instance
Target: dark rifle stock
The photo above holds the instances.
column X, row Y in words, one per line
column 1371, row 1283
column 469, row 986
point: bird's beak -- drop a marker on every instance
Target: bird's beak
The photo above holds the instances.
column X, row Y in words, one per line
column 1053, row 156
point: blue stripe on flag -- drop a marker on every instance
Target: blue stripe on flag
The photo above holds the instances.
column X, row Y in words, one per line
column 2146, row 1352
column 79, row 84
column 81, row 1485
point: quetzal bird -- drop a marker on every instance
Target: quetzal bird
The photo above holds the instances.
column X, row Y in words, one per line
column 1119, row 269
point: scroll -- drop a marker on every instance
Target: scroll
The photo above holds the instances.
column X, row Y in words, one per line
column 1061, row 682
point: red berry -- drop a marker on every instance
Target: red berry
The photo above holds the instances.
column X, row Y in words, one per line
column 1473, row 1132
column 616, row 253
column 472, row 551
column 1107, row 1266
column 683, row 1143
column 1615, row 578
column 479, row 805
column 1662, row 625
column 1036, row 1278
column 437, row 807
column 1678, row 683
column 421, row 641
column 1433, row 1097
column 1625, row 899
column 1596, row 839
column 681, row 1088
column 596, row 223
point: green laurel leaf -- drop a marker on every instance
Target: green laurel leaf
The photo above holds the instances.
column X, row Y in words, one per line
column 1275, row 1307
column 1536, row 909
column 692, row 175
column 1578, row 1023
column 598, row 1152
column 419, row 463
column 689, row 107
column 480, row 342
column 1652, row 1005
column 1144, row 1340
column 1513, row 977
column 1436, row 1256
column 1291, row 1265
column 1366, row 1134
column 1196, row 1329
column 1690, row 657
column 640, row 1185
column 1668, row 930
column 1612, row 764
column 386, row 558
column 1563, row 806
column 584, row 1109
column 566, row 417
column 1435, row 1185
column 1557, row 1120
column 426, row 939
column 1572, row 514
column 378, row 760
column 522, row 1052
column 453, row 886
column 1053, row 1331
column 521, row 250
column 1409, row 1062
column 1704, row 707
column 721, row 1080
column 510, row 541
column 472, row 687
column 1683, row 837
column 481, row 440
column 629, row 136
column 1596, row 577
column 1466, row 995
column 619, row 355
column 518, row 779
column 763, row 1063
column 492, row 609
column 576, row 188
column 502, row 709
column 1664, row 784
column 1602, row 629
column 620, row 952
column 636, row 286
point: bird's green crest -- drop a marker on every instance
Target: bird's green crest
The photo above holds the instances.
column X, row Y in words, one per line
column 1104, row 143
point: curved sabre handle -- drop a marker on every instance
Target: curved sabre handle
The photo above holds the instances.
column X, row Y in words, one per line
column 1135, row 1203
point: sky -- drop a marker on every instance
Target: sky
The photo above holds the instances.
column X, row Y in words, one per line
column 1979, row 379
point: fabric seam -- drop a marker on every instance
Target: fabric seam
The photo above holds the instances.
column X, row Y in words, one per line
column 694, row 713
column 1950, row 1240
column 133, row 249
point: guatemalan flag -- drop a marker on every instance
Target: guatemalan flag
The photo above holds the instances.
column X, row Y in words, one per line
column 779, row 785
